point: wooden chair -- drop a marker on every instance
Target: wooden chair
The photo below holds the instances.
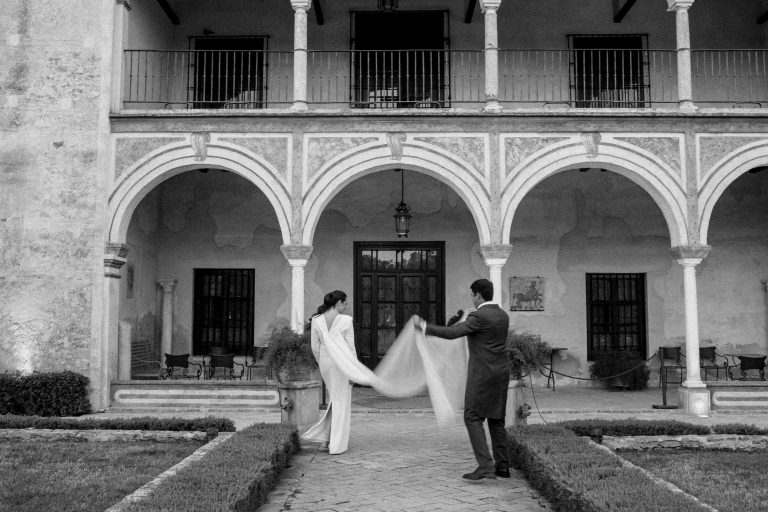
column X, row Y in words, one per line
column 223, row 366
column 145, row 361
column 710, row 360
column 670, row 359
column 177, row 366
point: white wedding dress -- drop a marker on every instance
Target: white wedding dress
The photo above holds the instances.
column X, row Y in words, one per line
column 414, row 363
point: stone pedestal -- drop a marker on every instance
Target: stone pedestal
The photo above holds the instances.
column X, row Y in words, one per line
column 517, row 412
column 299, row 403
column 694, row 400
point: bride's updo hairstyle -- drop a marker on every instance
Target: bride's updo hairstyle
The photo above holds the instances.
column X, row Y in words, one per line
column 330, row 300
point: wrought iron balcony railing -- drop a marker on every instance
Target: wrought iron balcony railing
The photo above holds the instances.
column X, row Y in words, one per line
column 386, row 79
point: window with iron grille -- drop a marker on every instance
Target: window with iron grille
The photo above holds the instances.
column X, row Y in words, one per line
column 609, row 71
column 228, row 72
column 223, row 310
column 616, row 313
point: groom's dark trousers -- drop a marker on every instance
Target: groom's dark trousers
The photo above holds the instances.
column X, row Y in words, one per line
column 487, row 380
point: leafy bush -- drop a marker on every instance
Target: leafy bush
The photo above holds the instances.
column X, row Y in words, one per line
column 145, row 423
column 624, row 367
column 635, row 427
column 287, row 349
column 526, row 353
column 236, row 475
column 44, row 394
column 579, row 476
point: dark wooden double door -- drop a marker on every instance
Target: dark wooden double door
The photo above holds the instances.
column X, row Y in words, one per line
column 394, row 281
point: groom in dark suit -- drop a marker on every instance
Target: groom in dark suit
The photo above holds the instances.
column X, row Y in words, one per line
column 487, row 378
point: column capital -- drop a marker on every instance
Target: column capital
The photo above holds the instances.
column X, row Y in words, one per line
column 493, row 5
column 114, row 259
column 167, row 284
column 677, row 5
column 496, row 254
column 303, row 5
column 690, row 252
column 124, row 3
column 297, row 255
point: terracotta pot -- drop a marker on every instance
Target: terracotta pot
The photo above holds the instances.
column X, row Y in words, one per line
column 517, row 410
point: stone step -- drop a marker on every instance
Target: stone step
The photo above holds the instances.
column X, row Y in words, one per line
column 136, row 396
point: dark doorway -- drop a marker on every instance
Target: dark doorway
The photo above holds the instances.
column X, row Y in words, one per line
column 399, row 59
column 394, row 281
column 609, row 71
column 223, row 310
column 616, row 318
column 228, row 72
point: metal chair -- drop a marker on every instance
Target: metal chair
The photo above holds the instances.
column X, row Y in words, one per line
column 710, row 360
column 750, row 363
column 670, row 358
column 222, row 366
column 177, row 366
column 257, row 361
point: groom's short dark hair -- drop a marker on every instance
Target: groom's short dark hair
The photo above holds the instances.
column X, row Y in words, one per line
column 484, row 287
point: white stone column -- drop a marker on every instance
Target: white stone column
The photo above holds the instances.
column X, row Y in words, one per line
column 119, row 32
column 300, row 8
column 489, row 8
column 104, row 356
column 693, row 392
column 684, row 79
column 298, row 257
column 495, row 257
column 166, row 338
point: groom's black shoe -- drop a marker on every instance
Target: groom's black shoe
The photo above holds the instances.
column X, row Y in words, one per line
column 502, row 473
column 479, row 474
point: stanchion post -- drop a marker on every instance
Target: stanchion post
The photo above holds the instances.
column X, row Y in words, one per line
column 663, row 386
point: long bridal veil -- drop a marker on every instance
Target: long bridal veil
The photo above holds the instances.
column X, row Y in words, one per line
column 414, row 363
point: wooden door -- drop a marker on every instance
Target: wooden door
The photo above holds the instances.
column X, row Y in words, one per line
column 394, row 281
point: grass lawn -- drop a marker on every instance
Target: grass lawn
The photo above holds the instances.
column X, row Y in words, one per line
column 78, row 476
column 727, row 481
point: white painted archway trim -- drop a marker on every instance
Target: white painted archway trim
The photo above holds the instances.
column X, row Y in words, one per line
column 176, row 158
column 651, row 174
column 439, row 165
column 725, row 172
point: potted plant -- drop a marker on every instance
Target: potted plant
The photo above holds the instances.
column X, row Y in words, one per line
column 621, row 368
column 526, row 354
column 289, row 354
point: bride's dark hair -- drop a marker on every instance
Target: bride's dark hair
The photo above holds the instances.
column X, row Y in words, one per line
column 330, row 300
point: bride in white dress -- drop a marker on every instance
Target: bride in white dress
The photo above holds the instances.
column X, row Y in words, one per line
column 333, row 427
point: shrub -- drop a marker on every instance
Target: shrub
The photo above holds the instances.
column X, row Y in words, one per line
column 44, row 394
column 236, row 475
column 145, row 423
column 635, row 427
column 526, row 353
column 287, row 349
column 621, row 367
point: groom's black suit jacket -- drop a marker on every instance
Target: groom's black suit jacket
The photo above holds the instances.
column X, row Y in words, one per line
column 488, row 373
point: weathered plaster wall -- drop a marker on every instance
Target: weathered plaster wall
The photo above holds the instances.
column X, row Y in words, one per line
column 50, row 226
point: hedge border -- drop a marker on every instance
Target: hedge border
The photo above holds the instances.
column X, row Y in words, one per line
column 141, row 423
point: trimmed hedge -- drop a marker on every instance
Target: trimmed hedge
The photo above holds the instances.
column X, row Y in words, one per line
column 144, row 423
column 44, row 394
column 236, row 475
column 656, row 428
column 577, row 476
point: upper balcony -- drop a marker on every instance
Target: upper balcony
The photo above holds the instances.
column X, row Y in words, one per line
column 363, row 60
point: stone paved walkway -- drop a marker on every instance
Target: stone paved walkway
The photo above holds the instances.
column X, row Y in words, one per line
column 397, row 462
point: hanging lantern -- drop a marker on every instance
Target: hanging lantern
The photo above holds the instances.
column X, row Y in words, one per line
column 387, row 5
column 402, row 215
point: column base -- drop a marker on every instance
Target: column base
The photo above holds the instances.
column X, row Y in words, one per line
column 687, row 105
column 299, row 106
column 695, row 401
column 493, row 107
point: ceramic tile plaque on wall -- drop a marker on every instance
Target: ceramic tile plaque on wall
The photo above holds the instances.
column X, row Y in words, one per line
column 526, row 293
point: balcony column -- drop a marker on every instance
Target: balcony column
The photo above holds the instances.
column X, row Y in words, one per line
column 119, row 31
column 684, row 80
column 693, row 393
column 166, row 338
column 489, row 8
column 300, row 8
column 495, row 257
column 298, row 257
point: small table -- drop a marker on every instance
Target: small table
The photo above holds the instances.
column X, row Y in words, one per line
column 748, row 362
column 551, row 376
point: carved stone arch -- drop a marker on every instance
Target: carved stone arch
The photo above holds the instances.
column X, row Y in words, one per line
column 133, row 186
column 442, row 167
column 729, row 170
column 649, row 174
